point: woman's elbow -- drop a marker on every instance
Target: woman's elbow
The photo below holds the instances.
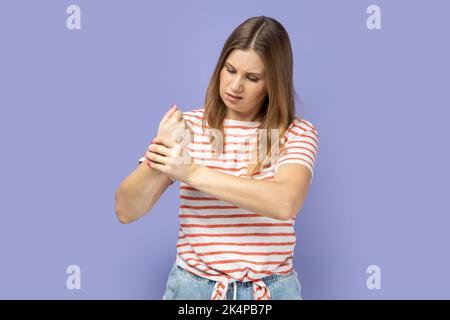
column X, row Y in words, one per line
column 122, row 212
column 123, row 219
column 126, row 214
column 290, row 210
column 121, row 215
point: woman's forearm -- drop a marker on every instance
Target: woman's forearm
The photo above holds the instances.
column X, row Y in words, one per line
column 139, row 191
column 263, row 197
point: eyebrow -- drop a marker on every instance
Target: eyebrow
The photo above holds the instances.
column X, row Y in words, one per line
column 252, row 73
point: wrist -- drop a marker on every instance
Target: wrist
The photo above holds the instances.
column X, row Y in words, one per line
column 155, row 172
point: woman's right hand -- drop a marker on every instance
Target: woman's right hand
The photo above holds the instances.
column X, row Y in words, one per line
column 172, row 120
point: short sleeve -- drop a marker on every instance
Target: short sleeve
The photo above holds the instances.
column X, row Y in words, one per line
column 300, row 148
column 143, row 159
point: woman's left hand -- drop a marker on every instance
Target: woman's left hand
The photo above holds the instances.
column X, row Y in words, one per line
column 171, row 158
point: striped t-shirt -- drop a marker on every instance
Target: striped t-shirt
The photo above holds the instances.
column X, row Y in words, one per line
column 223, row 242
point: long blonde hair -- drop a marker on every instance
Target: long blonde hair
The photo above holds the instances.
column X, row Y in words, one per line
column 268, row 38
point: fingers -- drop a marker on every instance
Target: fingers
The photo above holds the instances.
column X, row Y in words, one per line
column 169, row 113
column 178, row 115
column 151, row 156
column 165, row 141
column 158, row 148
column 156, row 166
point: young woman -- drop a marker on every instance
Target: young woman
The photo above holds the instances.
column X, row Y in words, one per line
column 238, row 200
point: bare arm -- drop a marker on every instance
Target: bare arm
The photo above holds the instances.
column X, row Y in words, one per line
column 279, row 199
column 139, row 191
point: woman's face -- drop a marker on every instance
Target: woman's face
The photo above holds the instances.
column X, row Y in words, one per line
column 243, row 76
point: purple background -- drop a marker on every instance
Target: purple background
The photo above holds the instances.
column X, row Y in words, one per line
column 79, row 107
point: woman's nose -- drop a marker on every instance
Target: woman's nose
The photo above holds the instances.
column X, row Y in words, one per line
column 236, row 84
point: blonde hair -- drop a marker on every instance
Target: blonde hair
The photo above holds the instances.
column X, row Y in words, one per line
column 268, row 38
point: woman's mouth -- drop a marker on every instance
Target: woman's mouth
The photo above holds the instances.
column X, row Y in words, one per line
column 232, row 98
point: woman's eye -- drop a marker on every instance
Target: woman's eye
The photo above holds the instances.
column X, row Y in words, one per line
column 251, row 79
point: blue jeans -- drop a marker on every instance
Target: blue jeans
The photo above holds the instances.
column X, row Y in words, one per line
column 184, row 285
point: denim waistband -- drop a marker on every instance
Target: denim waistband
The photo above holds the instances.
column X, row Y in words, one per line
column 269, row 280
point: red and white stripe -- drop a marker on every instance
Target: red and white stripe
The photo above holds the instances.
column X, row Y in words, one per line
column 222, row 242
